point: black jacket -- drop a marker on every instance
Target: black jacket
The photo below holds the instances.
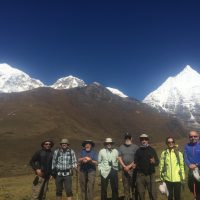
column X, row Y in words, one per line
column 42, row 159
column 142, row 160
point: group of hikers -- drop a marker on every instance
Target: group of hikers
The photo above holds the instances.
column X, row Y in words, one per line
column 137, row 164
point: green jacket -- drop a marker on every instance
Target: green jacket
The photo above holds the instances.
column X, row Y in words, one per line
column 170, row 169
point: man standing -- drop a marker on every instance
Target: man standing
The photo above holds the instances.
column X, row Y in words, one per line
column 146, row 159
column 126, row 158
column 108, row 167
column 41, row 163
column 192, row 160
column 63, row 163
column 88, row 162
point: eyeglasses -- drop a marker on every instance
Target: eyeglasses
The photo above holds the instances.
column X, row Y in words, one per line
column 144, row 139
column 64, row 143
column 193, row 136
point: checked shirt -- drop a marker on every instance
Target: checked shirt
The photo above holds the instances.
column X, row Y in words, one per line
column 64, row 161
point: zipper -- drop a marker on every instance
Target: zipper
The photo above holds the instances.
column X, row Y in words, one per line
column 170, row 164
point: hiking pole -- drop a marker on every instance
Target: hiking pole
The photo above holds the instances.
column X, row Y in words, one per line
column 86, row 182
column 77, row 195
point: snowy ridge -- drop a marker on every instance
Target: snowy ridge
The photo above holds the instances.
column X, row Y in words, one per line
column 179, row 95
column 117, row 92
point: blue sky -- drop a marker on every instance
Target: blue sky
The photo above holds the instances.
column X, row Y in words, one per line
column 130, row 45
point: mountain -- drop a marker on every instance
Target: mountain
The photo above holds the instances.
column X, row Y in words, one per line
column 179, row 96
column 68, row 82
column 90, row 112
column 14, row 80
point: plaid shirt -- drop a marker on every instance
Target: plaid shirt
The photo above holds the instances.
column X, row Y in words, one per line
column 64, row 161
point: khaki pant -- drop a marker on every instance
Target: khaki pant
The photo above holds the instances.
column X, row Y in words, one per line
column 39, row 188
column 148, row 182
column 129, row 184
column 87, row 181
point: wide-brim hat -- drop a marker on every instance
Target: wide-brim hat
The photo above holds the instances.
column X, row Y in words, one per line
column 108, row 140
column 144, row 135
column 43, row 142
column 64, row 141
column 88, row 142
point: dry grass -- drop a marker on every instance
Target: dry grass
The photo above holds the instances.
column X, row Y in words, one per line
column 19, row 188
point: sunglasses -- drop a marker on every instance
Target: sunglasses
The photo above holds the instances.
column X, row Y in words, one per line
column 144, row 139
column 47, row 144
column 170, row 142
column 193, row 136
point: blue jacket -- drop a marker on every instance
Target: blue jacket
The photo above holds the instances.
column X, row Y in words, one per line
column 88, row 167
column 192, row 154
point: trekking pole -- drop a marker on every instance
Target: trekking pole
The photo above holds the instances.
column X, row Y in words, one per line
column 195, row 194
column 86, row 182
column 77, row 191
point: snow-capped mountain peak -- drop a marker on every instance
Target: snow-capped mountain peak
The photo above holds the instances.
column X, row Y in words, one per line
column 188, row 74
column 68, row 82
column 14, row 80
column 6, row 69
column 179, row 95
column 188, row 69
column 117, row 92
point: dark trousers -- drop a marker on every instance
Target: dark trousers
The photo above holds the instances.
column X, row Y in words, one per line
column 129, row 184
column 113, row 178
column 194, row 186
column 174, row 189
column 67, row 182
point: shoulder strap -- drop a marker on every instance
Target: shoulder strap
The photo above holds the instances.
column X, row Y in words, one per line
column 176, row 151
column 70, row 151
column 165, row 165
column 57, row 155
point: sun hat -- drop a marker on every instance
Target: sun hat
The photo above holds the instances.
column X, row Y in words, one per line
column 196, row 174
column 88, row 142
column 108, row 140
column 64, row 141
column 144, row 135
column 44, row 141
column 163, row 189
